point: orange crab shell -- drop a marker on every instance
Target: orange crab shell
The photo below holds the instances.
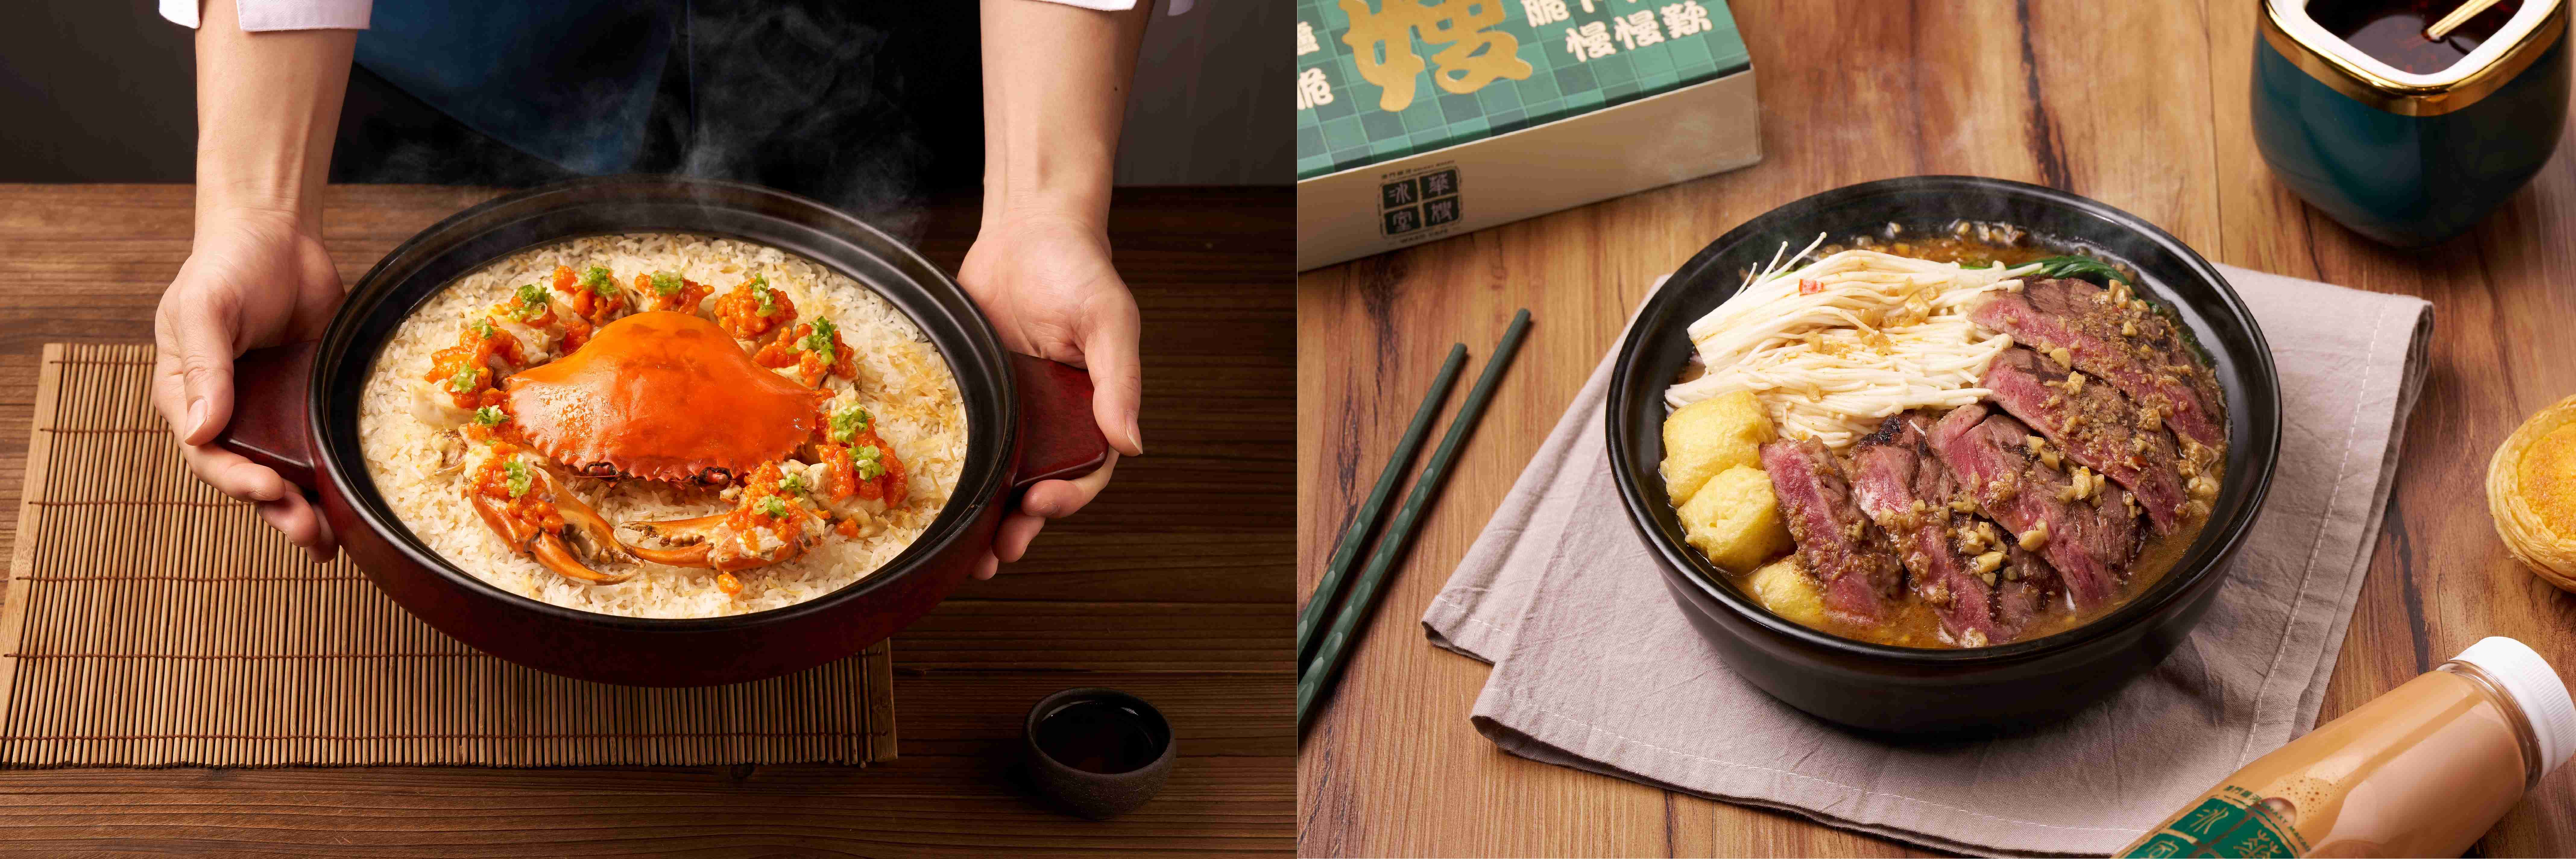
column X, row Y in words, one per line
column 664, row 396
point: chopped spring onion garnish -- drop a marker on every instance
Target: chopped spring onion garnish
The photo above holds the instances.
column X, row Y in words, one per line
column 847, row 423
column 760, row 289
column 518, row 475
column 532, row 301
column 774, row 506
column 464, row 380
column 793, row 482
column 868, row 462
column 597, row 280
column 666, row 282
column 820, row 340
column 490, row 416
column 482, row 326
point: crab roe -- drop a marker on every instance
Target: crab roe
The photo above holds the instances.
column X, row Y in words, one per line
column 593, row 296
column 753, row 309
column 860, row 463
column 464, row 371
column 506, row 480
column 813, row 348
column 765, row 508
column 667, row 290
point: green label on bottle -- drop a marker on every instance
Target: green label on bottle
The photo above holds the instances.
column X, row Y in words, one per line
column 2163, row 844
column 2261, row 837
column 2236, row 823
column 2212, row 818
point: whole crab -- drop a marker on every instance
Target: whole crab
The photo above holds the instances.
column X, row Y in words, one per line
column 661, row 393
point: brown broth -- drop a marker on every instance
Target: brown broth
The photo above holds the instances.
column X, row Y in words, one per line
column 1968, row 243
column 1915, row 623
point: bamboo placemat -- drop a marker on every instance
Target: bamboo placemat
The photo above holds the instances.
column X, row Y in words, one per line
column 149, row 621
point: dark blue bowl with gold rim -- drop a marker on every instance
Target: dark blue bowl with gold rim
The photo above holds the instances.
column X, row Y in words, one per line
column 2400, row 138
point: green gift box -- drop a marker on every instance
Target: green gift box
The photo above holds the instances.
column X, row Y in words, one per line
column 1423, row 119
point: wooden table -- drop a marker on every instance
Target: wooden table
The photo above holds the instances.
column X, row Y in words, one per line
column 1175, row 585
column 2139, row 105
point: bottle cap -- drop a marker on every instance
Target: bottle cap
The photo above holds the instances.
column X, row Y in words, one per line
column 2535, row 687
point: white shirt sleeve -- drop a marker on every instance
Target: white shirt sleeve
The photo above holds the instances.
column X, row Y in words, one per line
column 1175, row 7
column 264, row 15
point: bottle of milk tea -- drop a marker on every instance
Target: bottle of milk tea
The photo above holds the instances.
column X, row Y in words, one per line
column 2421, row 771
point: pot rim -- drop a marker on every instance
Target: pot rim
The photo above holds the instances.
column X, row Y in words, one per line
column 965, row 504
column 2207, row 557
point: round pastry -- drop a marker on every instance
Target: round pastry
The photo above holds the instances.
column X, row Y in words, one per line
column 2531, row 492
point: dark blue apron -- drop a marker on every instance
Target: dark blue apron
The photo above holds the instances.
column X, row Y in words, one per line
column 569, row 81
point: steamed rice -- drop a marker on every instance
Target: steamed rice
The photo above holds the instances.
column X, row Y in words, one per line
column 902, row 379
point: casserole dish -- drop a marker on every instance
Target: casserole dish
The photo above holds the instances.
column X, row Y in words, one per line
column 297, row 411
column 1912, row 690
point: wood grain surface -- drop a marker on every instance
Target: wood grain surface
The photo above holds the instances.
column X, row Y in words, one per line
column 2140, row 105
column 1174, row 585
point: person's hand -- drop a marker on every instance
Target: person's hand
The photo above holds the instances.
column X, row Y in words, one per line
column 1046, row 283
column 252, row 279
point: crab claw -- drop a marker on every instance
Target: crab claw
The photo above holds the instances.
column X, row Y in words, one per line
column 589, row 532
column 549, row 548
column 706, row 542
column 690, row 540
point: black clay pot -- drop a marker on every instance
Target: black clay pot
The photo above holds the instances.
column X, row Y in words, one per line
column 1028, row 420
column 1915, row 691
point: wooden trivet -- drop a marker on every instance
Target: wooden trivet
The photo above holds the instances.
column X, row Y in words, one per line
column 150, row 621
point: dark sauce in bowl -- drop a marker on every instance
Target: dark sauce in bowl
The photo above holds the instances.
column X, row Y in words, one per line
column 2392, row 31
column 1100, row 737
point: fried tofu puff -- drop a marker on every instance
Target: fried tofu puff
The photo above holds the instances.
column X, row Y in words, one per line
column 1735, row 520
column 1708, row 437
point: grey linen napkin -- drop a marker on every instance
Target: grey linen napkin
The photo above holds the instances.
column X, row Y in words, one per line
column 1595, row 667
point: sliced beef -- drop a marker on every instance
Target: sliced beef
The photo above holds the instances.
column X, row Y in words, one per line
column 2088, row 540
column 2028, row 584
column 1840, row 547
column 2095, row 426
column 1904, row 489
column 2136, row 350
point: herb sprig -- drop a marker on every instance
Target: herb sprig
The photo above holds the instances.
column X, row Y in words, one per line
column 2083, row 267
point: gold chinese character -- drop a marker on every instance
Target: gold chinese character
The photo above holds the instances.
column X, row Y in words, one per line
column 1382, row 46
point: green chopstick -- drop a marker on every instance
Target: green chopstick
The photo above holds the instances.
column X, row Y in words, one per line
column 1344, row 556
column 1329, row 655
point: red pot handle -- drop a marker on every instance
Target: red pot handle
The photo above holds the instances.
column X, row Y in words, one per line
column 270, row 425
column 1059, row 439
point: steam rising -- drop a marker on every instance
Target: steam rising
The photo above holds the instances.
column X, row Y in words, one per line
column 790, row 101
column 811, row 100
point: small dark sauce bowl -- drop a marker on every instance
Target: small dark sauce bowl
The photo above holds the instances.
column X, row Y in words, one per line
column 1091, row 730
column 1919, row 692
